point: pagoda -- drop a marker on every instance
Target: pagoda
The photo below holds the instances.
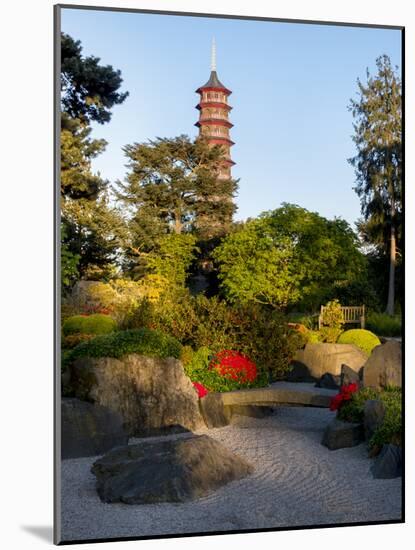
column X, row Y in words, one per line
column 213, row 123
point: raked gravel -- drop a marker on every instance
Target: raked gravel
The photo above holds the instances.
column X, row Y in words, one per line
column 296, row 482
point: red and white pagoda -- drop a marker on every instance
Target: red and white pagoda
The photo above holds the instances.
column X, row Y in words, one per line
column 213, row 123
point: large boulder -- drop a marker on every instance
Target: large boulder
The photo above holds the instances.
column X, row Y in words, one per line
column 172, row 470
column 319, row 359
column 388, row 464
column 89, row 430
column 384, row 366
column 339, row 434
column 152, row 395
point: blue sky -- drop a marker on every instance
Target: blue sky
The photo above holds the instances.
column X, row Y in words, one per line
column 291, row 86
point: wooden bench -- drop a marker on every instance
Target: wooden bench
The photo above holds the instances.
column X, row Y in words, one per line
column 351, row 314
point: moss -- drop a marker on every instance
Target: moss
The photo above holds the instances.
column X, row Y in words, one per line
column 97, row 323
column 363, row 339
column 152, row 343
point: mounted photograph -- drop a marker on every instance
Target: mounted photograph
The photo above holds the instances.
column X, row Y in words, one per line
column 229, row 274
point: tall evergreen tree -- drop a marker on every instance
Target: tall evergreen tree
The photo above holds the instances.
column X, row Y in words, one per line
column 92, row 229
column 173, row 187
column 378, row 162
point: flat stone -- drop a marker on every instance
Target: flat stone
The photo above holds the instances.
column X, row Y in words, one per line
column 339, row 434
column 172, row 470
column 89, row 430
column 388, row 464
column 384, row 366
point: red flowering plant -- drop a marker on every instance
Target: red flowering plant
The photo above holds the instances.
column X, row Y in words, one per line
column 343, row 396
column 235, row 366
column 201, row 390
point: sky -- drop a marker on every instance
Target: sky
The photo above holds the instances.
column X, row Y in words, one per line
column 291, row 83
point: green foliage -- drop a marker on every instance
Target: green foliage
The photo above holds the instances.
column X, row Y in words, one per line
column 173, row 187
column 89, row 89
column 313, row 337
column 256, row 267
column 198, row 371
column 390, row 430
column 72, row 340
column 352, row 410
column 171, row 258
column 289, row 255
column 330, row 335
column 143, row 341
column 89, row 324
column 383, row 324
column 69, row 263
column 363, row 339
column 332, row 315
column 197, row 321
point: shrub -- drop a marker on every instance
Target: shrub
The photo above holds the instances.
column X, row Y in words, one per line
column 197, row 321
column 332, row 316
column 142, row 341
column 203, row 370
column 384, row 325
column 313, row 337
column 363, row 339
column 390, row 431
column 89, row 324
column 234, row 366
column 72, row 340
column 330, row 334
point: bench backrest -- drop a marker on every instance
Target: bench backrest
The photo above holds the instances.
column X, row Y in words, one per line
column 351, row 314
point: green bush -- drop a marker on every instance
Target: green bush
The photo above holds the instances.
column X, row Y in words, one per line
column 391, row 429
column 313, row 337
column 330, row 334
column 363, row 339
column 332, row 316
column 384, row 325
column 72, row 340
column 142, row 341
column 260, row 333
column 97, row 323
column 198, row 371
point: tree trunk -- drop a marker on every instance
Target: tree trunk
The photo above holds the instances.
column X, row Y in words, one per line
column 390, row 308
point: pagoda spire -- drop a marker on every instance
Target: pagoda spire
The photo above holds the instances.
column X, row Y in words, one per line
column 213, row 56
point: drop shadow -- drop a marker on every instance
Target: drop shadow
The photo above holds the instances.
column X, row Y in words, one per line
column 43, row 532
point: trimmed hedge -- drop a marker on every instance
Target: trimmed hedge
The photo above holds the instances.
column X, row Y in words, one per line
column 363, row 339
column 98, row 323
column 117, row 344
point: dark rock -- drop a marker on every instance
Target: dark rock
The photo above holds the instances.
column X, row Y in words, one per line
column 252, row 411
column 328, row 358
column 374, row 413
column 174, row 470
column 89, row 430
column 384, row 366
column 299, row 372
column 340, row 434
column 348, row 376
column 152, row 395
column 329, row 381
column 388, row 464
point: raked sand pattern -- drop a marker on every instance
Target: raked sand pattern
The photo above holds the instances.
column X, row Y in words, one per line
column 297, row 482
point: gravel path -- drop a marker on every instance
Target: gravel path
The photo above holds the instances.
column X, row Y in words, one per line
column 297, row 482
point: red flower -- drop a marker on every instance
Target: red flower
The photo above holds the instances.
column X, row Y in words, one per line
column 235, row 366
column 345, row 394
column 201, row 390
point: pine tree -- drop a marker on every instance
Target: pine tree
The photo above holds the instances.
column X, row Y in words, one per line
column 378, row 162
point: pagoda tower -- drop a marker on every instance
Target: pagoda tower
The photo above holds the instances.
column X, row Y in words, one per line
column 213, row 123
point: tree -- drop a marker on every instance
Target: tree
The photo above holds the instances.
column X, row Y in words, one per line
column 89, row 90
column 289, row 256
column 92, row 229
column 378, row 163
column 172, row 187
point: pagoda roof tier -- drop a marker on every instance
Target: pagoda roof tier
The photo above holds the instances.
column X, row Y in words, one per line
column 229, row 162
column 214, row 122
column 204, row 104
column 218, row 140
column 214, row 84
